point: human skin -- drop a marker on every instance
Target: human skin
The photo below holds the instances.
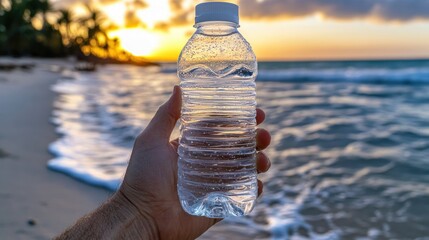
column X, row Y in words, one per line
column 147, row 205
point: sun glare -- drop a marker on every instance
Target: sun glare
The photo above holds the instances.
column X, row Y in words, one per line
column 115, row 12
column 137, row 41
column 157, row 11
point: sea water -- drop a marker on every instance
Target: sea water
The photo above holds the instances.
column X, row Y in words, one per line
column 217, row 166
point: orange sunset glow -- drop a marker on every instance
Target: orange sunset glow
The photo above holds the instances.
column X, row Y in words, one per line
column 158, row 29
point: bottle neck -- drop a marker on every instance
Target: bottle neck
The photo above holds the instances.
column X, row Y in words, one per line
column 216, row 28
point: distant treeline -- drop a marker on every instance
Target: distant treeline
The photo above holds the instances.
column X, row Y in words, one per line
column 35, row 28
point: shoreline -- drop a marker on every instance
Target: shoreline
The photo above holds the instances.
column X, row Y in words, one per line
column 40, row 203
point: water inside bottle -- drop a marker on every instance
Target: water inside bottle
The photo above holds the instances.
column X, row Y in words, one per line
column 217, row 167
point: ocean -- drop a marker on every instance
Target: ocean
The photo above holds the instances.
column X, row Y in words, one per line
column 349, row 151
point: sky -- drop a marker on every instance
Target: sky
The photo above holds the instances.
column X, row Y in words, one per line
column 279, row 29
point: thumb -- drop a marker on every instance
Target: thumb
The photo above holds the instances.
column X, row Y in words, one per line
column 162, row 124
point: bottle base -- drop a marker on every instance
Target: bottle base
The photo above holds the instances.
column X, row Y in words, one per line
column 218, row 205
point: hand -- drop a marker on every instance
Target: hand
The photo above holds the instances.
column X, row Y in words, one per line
column 150, row 182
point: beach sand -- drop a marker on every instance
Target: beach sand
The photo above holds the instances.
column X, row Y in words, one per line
column 35, row 203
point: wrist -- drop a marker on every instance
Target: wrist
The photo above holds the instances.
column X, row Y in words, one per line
column 136, row 222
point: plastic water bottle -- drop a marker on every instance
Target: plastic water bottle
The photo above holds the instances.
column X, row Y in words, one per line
column 217, row 155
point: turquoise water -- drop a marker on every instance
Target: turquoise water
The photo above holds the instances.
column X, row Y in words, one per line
column 350, row 143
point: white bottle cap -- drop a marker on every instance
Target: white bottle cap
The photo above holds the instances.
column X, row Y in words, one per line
column 216, row 11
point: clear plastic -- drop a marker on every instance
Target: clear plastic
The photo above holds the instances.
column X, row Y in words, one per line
column 217, row 155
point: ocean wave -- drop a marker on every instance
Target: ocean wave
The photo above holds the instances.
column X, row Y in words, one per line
column 98, row 115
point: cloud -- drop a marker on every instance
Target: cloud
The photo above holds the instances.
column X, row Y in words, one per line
column 140, row 4
column 385, row 10
column 405, row 10
column 131, row 19
column 180, row 15
column 176, row 5
column 107, row 1
column 388, row 10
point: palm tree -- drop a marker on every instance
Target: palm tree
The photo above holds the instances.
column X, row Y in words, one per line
column 16, row 27
column 67, row 36
column 44, row 7
column 95, row 36
column 64, row 22
column 93, row 21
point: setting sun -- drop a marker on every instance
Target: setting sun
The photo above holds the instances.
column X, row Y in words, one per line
column 137, row 41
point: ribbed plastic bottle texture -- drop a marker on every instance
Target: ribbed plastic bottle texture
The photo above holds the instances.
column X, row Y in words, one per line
column 217, row 155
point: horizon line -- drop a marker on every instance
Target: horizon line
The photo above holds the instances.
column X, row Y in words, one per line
column 331, row 60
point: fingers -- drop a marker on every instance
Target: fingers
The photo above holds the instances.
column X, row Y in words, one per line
column 263, row 139
column 260, row 187
column 260, row 116
column 162, row 124
column 263, row 163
